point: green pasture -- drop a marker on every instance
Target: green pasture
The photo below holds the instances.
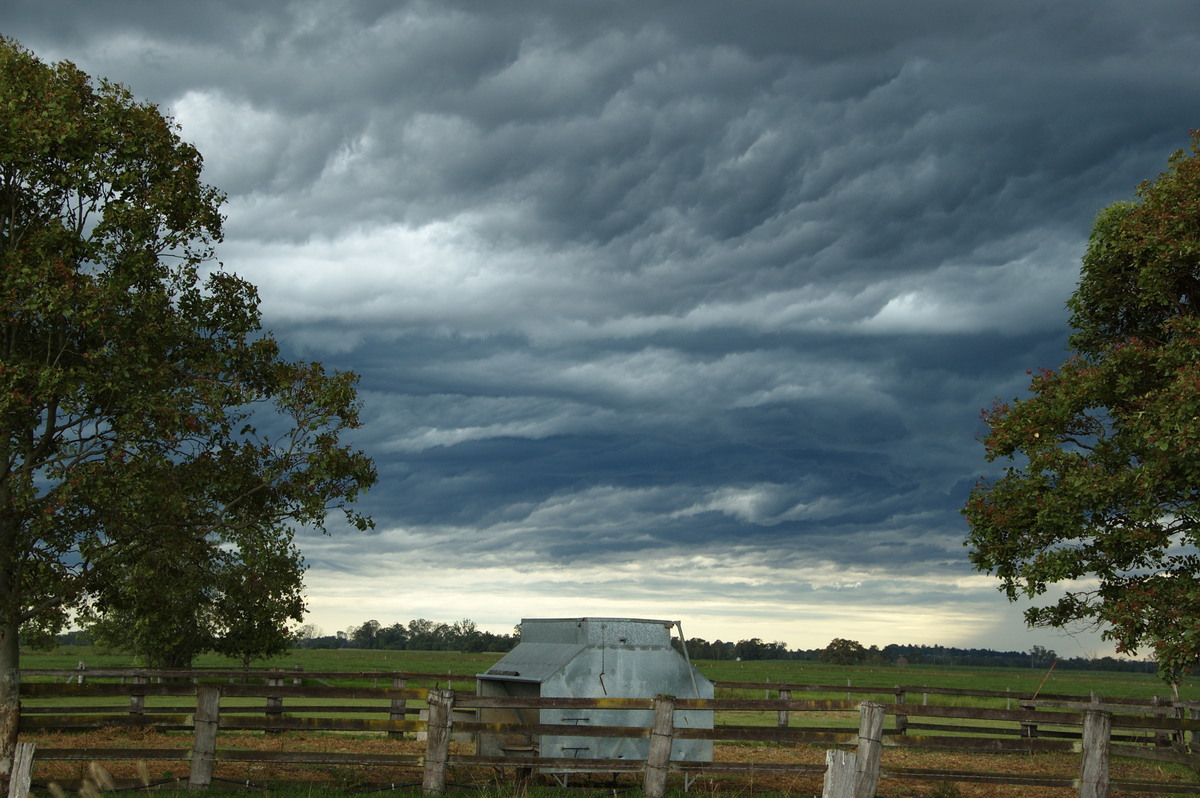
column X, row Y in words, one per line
column 1058, row 681
column 770, row 672
column 347, row 660
column 1018, row 681
column 912, row 678
column 1110, row 684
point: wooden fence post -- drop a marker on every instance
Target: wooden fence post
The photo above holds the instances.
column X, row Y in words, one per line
column 204, row 746
column 137, row 701
column 22, row 771
column 870, row 747
column 901, row 720
column 658, row 758
column 1093, row 769
column 437, row 740
column 398, row 705
column 840, row 774
column 1160, row 737
column 784, row 695
column 274, row 703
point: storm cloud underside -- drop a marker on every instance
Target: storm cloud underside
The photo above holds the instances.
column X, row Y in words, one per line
column 681, row 309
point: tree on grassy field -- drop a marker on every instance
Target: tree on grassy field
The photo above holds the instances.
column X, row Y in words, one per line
column 393, row 636
column 259, row 598
column 238, row 600
column 844, row 652
column 144, row 415
column 365, row 636
column 1040, row 656
column 162, row 628
column 1101, row 501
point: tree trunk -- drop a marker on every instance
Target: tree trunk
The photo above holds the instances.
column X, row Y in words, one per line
column 10, row 696
column 10, row 626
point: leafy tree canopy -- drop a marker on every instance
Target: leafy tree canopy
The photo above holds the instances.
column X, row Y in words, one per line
column 1101, row 499
column 242, row 603
column 143, row 411
column 841, row 651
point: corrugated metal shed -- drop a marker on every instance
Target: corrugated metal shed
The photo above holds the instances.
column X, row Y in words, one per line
column 594, row 658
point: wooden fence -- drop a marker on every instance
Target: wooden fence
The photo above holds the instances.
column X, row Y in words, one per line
column 210, row 702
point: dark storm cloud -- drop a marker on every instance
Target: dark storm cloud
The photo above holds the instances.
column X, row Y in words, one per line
column 687, row 303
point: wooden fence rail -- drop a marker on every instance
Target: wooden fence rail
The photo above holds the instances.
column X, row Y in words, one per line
column 209, row 705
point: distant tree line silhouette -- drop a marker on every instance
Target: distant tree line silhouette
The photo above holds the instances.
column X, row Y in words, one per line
column 421, row 634
column 850, row 652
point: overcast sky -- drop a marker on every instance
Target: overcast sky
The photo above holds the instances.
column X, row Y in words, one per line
column 679, row 310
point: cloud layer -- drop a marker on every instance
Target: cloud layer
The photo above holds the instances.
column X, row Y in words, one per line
column 682, row 309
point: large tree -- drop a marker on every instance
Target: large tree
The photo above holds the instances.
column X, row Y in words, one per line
column 158, row 606
column 1097, row 517
column 143, row 411
column 841, row 651
column 241, row 601
column 258, row 599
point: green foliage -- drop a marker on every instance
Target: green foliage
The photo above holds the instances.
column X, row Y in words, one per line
column 258, row 599
column 1101, row 501
column 419, row 634
column 1040, row 657
column 844, row 652
column 151, row 435
column 163, row 628
column 755, row 648
column 237, row 602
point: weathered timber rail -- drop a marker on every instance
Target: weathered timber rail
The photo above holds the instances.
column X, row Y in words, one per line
column 207, row 703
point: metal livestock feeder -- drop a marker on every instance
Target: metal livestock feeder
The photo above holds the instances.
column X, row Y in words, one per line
column 593, row 658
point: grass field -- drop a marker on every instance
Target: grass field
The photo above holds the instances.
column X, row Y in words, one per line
column 914, row 678
column 1018, row 680
column 346, row 659
column 339, row 782
column 1109, row 684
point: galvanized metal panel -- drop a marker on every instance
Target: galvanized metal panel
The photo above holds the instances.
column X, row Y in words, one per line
column 598, row 657
column 533, row 662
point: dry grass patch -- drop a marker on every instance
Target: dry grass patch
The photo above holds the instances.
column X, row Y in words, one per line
column 71, row 775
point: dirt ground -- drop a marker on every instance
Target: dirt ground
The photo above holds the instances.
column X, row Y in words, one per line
column 70, row 775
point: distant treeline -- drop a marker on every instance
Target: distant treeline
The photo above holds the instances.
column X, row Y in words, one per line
column 464, row 635
column 901, row 655
column 1037, row 657
column 424, row 635
column 416, row 635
